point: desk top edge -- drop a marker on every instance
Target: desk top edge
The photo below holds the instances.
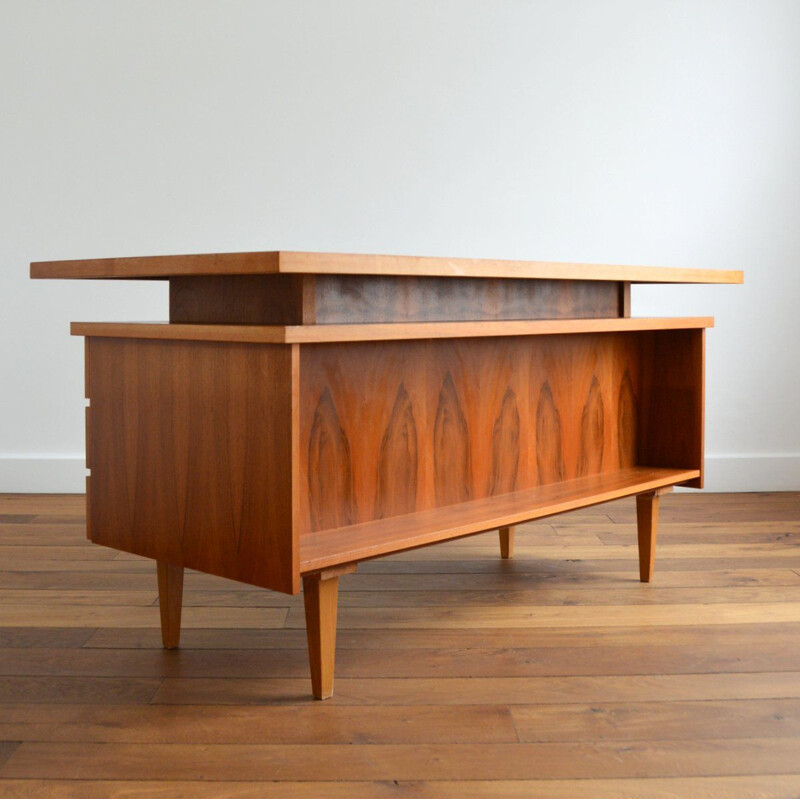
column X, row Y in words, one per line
column 365, row 332
column 289, row 262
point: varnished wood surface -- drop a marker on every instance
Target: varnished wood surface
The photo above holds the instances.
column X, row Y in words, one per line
column 170, row 602
column 257, row 462
column 240, row 299
column 507, row 542
column 362, row 264
column 308, row 334
column 673, row 384
column 320, row 597
column 647, row 505
column 452, row 423
column 323, row 548
column 317, row 299
column 396, row 298
column 188, row 445
column 626, row 695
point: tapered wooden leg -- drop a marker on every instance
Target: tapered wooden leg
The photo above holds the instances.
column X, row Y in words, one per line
column 647, row 528
column 321, row 594
column 170, row 600
column 507, row 542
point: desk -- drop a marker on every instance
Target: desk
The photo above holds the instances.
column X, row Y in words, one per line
column 302, row 412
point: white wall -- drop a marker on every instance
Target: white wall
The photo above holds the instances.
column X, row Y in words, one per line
column 657, row 133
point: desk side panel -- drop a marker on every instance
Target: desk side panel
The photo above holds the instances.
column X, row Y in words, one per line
column 673, row 401
column 189, row 448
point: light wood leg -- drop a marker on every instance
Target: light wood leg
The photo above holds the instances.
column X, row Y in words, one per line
column 320, row 594
column 507, row 542
column 170, row 600
column 647, row 528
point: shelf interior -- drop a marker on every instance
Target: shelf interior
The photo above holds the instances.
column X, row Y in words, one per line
column 330, row 547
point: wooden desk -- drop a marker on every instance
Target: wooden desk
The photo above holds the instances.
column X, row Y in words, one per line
column 302, row 412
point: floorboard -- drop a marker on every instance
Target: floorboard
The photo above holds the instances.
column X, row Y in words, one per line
column 554, row 674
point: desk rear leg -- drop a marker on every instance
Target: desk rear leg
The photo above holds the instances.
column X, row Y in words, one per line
column 507, row 542
column 170, row 602
column 647, row 527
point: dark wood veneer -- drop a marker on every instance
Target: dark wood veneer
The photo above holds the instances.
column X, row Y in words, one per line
column 335, row 299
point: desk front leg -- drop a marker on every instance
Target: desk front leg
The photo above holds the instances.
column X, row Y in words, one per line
column 321, row 595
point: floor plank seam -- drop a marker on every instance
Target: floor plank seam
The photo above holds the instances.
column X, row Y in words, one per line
column 561, row 653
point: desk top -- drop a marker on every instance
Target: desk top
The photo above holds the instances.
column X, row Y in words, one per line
column 284, row 262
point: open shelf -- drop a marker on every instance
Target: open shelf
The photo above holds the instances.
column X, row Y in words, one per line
column 328, row 548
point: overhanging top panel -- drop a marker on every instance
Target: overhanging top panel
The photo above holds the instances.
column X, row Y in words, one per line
column 286, row 262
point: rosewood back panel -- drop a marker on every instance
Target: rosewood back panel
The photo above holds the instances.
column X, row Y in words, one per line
column 395, row 427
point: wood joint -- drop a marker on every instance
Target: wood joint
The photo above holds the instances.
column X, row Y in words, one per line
column 332, row 572
column 657, row 492
column 624, row 299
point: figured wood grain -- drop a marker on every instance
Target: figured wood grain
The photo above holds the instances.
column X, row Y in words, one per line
column 549, row 441
column 505, row 447
column 361, row 264
column 308, row 334
column 396, row 491
column 452, row 458
column 330, row 469
column 460, row 420
column 590, row 459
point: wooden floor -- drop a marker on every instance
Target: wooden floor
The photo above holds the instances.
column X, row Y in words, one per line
column 556, row 674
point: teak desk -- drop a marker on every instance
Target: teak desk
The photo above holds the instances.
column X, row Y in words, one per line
column 302, row 412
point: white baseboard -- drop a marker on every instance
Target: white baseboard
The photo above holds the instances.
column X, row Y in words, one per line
column 762, row 473
column 67, row 474
column 44, row 474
